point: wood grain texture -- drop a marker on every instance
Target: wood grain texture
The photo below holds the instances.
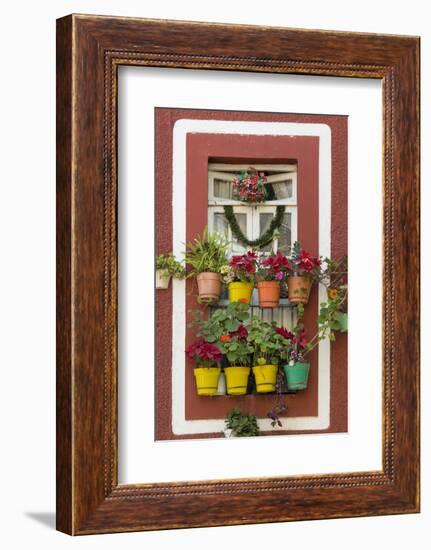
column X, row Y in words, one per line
column 90, row 49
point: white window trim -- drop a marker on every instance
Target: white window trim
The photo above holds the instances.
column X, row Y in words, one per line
column 182, row 127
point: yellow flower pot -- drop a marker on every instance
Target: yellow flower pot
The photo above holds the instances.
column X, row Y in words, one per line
column 240, row 292
column 236, row 380
column 266, row 378
column 207, row 380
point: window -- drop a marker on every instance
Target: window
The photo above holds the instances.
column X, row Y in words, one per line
column 254, row 219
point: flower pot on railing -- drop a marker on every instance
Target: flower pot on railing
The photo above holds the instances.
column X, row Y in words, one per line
column 207, row 379
column 265, row 377
column 297, row 375
column 269, row 293
column 342, row 320
column 237, row 379
column 209, row 287
column 162, row 279
column 298, row 288
column 240, row 292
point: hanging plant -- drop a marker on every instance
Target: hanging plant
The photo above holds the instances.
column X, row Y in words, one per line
column 251, row 186
column 266, row 238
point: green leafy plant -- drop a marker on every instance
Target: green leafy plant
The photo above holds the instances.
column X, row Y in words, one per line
column 225, row 329
column 241, row 424
column 267, row 343
column 222, row 322
column 238, row 351
column 207, row 253
column 169, row 265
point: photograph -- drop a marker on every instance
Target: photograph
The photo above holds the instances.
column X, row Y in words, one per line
column 251, row 279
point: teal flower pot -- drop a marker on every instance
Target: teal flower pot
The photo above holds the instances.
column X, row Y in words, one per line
column 297, row 375
column 342, row 320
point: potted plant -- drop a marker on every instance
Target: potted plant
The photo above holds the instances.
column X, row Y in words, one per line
column 226, row 321
column 207, row 358
column 167, row 266
column 267, row 345
column 271, row 271
column 297, row 347
column 239, row 424
column 240, row 276
column 304, row 268
column 237, row 351
column 296, row 369
column 206, row 255
column 225, row 329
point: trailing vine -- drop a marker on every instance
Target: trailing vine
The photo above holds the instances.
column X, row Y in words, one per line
column 265, row 238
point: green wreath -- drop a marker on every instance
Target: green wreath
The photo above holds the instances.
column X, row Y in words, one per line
column 265, row 238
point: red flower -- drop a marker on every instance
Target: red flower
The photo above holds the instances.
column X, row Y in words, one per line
column 300, row 340
column 276, row 263
column 241, row 333
column 307, row 263
column 285, row 333
column 225, row 338
column 245, row 262
column 204, row 351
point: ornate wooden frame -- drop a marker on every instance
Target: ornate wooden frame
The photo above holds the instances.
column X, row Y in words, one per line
column 89, row 51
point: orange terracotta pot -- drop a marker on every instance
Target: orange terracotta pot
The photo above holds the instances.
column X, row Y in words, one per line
column 269, row 293
column 298, row 289
column 209, row 287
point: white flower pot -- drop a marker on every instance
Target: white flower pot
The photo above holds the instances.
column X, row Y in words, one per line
column 221, row 388
column 228, row 433
column 162, row 281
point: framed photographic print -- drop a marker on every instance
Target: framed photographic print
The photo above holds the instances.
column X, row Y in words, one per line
column 238, row 274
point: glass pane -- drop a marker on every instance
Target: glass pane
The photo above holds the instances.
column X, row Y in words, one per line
column 238, row 248
column 285, row 240
column 220, row 223
column 283, row 189
column 222, row 189
column 264, row 222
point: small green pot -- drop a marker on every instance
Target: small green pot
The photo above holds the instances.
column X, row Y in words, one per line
column 297, row 375
column 342, row 320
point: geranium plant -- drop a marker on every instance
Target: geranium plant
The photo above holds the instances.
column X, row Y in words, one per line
column 266, row 341
column 250, row 186
column 223, row 324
